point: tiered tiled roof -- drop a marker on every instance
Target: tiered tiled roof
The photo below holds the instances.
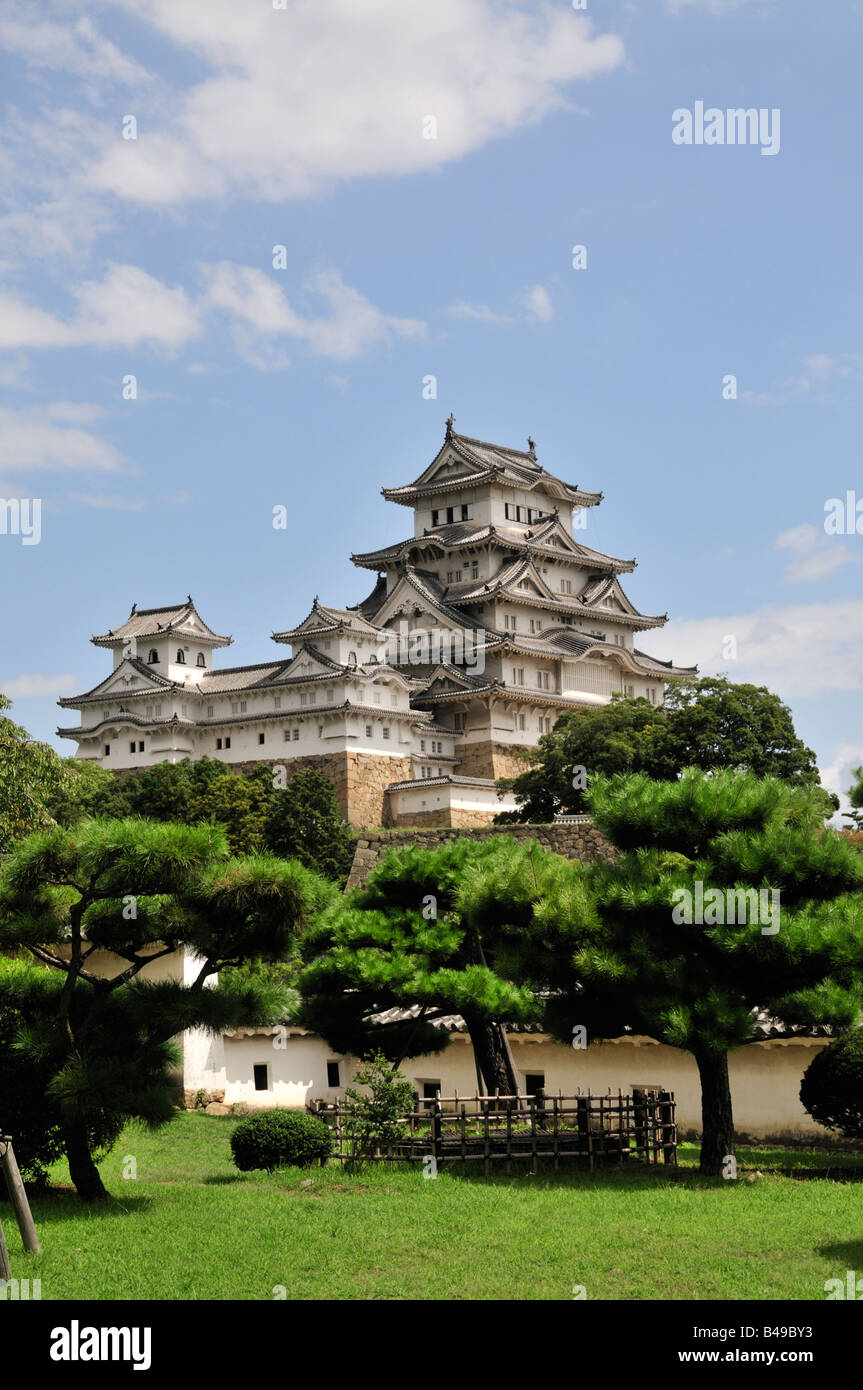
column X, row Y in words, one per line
column 159, row 622
column 480, row 462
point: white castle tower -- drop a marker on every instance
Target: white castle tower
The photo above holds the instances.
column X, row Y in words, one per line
column 481, row 629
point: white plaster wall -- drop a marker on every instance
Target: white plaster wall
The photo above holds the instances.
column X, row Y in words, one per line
column 765, row 1077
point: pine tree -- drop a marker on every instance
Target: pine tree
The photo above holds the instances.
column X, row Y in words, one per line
column 614, row 951
column 401, row 943
column 138, row 890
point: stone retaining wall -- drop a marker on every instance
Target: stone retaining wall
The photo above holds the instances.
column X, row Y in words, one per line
column 580, row 841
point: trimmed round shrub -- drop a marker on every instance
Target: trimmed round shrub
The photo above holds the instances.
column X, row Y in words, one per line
column 832, row 1085
column 279, row 1139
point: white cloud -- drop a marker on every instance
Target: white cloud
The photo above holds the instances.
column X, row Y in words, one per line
column 300, row 98
column 795, row 650
column 30, row 685
column 30, row 440
column 79, row 49
column 537, row 303
column 261, row 310
column 816, row 555
column 817, row 370
column 128, row 308
column 477, row 313
column 838, row 777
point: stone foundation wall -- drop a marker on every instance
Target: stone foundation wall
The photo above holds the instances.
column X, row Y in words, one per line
column 488, row 759
column 449, row 817
column 358, row 779
column 579, row 841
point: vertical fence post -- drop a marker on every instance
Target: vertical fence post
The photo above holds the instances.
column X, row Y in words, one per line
column 669, row 1145
column 5, row 1268
column 18, row 1197
column 437, row 1144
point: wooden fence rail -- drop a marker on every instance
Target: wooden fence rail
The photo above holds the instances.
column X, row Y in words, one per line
column 595, row 1129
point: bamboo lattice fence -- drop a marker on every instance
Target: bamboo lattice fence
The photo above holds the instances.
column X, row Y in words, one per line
column 593, row 1129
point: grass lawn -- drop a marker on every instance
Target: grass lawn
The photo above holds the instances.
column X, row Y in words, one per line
column 191, row 1227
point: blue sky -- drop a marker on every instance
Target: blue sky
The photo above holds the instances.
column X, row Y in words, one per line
column 406, row 257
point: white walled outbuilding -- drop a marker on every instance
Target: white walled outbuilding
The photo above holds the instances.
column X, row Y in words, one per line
column 765, row 1076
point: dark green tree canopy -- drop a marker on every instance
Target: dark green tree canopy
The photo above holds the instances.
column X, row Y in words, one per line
column 708, row 722
column 304, row 823
column 139, row 890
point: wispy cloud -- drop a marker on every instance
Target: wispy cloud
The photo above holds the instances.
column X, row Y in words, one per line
column 31, row 686
column 815, row 554
column 537, row 304
column 33, row 439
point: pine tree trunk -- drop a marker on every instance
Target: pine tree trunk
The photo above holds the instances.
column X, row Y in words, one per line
column 717, row 1121
column 82, row 1169
column 490, row 1052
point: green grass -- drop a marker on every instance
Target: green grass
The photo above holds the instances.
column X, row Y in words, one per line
column 191, row 1227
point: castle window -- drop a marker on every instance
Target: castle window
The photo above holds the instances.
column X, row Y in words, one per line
column 385, row 731
column 211, row 709
column 218, row 743
column 450, row 515
column 201, row 661
column 287, row 734
column 181, row 657
column 227, row 742
column 465, row 512
column 422, row 745
column 435, row 516
column 333, row 1074
column 296, row 735
column 449, row 576
column 368, row 731
column 320, row 731
column 140, row 747
column 458, row 576
column 352, row 658
column 261, row 738
column 277, row 703
column 107, row 750
column 261, row 1074
column 474, row 569
column 153, row 658
column 132, row 747
column 521, row 721
column 627, row 690
column 458, row 720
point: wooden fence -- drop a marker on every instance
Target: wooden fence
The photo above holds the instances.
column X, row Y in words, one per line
column 508, row 1129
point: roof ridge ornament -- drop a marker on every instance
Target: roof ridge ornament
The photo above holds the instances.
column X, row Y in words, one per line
column 531, row 447
column 134, row 609
column 449, row 424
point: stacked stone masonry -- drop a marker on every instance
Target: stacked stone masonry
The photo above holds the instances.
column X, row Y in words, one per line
column 580, row 841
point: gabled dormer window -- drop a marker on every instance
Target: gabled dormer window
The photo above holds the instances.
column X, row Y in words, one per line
column 153, row 658
column 181, row 657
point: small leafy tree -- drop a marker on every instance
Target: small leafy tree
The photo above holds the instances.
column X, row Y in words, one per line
column 372, row 1117
column 706, row 722
column 832, row 1085
column 855, row 796
column 304, row 823
column 128, row 893
column 31, row 774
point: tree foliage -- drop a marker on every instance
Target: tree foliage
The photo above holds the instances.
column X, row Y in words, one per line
column 832, row 1085
column 708, row 723
column 31, row 774
column 303, row 822
column 626, row 957
column 393, row 958
column 121, row 895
